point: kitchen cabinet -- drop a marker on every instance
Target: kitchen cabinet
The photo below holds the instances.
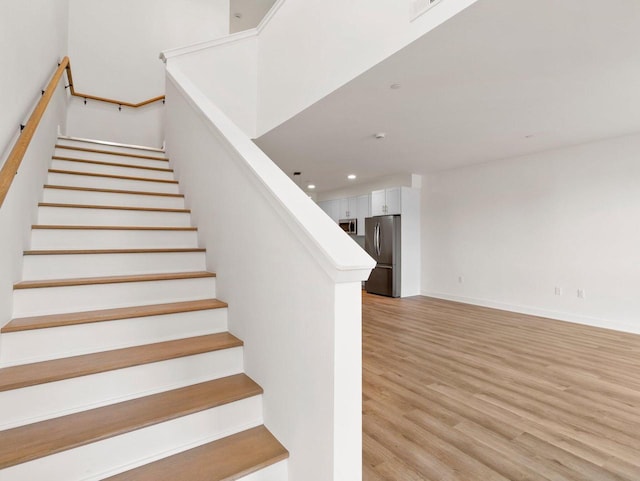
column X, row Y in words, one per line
column 363, row 211
column 331, row 208
column 356, row 207
column 349, row 208
column 386, row 201
column 395, row 200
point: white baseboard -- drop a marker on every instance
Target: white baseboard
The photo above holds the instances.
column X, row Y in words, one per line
column 540, row 312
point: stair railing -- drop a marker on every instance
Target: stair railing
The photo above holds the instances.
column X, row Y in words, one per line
column 12, row 165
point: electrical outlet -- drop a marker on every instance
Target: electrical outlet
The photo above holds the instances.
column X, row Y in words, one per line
column 581, row 294
column 558, row 291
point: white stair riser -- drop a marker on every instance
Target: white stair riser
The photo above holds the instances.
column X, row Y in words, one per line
column 108, row 183
column 275, row 472
column 40, row 267
column 80, row 216
column 36, row 345
column 96, row 461
column 151, row 151
column 111, row 239
column 62, row 196
column 45, row 401
column 110, row 169
column 56, row 300
column 114, row 159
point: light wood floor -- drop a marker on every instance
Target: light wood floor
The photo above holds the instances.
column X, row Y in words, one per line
column 456, row 392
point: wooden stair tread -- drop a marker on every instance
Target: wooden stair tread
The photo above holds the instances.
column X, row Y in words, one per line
column 36, row 440
column 24, row 375
column 111, row 164
column 111, row 251
column 121, row 154
column 226, row 459
column 112, row 207
column 111, row 191
column 110, row 227
column 86, row 281
column 87, row 317
column 110, row 176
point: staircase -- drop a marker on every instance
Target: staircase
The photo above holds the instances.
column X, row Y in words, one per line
column 118, row 364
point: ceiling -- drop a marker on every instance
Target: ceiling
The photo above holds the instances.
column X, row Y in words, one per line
column 251, row 13
column 501, row 79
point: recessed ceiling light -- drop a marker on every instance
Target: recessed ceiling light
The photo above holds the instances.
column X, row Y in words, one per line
column 351, row 176
column 395, row 86
column 380, row 135
column 311, row 186
column 237, row 15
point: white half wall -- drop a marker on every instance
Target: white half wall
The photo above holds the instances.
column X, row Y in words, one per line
column 291, row 277
column 114, row 48
column 227, row 74
column 514, row 230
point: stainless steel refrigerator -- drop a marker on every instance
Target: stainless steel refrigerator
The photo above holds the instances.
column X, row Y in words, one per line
column 382, row 242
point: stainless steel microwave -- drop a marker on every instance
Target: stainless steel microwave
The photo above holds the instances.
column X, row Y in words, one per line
column 350, row 226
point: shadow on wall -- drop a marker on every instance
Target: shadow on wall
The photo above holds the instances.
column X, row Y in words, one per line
column 247, row 14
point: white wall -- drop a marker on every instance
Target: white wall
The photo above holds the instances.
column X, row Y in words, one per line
column 335, row 41
column 516, row 229
column 228, row 76
column 291, row 278
column 114, row 48
column 19, row 209
column 304, row 51
column 29, row 60
column 410, row 248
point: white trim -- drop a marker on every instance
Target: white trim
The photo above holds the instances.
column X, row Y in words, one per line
column 341, row 258
column 535, row 311
column 234, row 37
column 196, row 47
column 110, row 144
column 270, row 14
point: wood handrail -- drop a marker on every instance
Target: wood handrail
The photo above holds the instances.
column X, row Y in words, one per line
column 105, row 99
column 10, row 168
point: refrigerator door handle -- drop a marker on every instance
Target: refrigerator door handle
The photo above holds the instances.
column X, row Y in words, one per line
column 375, row 236
column 378, row 238
column 383, row 267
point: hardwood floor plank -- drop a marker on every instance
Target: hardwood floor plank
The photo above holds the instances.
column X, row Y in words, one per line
column 454, row 391
column 549, row 454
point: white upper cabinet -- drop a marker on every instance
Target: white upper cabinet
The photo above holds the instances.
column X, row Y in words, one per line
column 386, row 201
column 363, row 211
column 348, row 208
column 378, row 202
